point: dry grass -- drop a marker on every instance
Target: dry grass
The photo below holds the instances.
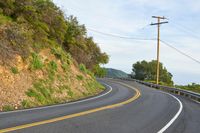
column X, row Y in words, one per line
column 50, row 84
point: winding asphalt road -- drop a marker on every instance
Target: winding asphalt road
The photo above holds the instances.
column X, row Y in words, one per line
column 119, row 109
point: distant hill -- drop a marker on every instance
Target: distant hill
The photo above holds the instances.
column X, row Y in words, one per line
column 114, row 73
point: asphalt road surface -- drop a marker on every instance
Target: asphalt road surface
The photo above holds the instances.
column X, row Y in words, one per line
column 151, row 112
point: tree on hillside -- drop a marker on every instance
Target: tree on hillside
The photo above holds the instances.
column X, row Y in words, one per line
column 39, row 24
column 99, row 71
column 147, row 71
column 82, row 48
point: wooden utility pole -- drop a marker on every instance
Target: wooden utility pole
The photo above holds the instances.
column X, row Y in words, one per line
column 158, row 45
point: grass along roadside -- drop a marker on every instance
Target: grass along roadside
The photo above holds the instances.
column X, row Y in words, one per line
column 55, row 80
column 190, row 87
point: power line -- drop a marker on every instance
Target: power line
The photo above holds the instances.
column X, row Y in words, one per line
column 184, row 27
column 119, row 36
column 142, row 28
column 181, row 52
column 147, row 39
column 186, row 30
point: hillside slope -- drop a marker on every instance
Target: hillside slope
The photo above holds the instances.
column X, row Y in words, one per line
column 114, row 73
column 39, row 56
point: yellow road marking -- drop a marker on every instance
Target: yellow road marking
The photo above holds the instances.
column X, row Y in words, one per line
column 137, row 95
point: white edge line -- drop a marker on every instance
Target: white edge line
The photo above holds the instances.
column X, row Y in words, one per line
column 175, row 117
column 64, row 104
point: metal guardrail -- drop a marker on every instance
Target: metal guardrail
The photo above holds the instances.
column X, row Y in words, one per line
column 189, row 94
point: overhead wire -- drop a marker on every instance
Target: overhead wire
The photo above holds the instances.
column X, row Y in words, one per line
column 119, row 36
column 181, row 52
column 134, row 38
column 186, row 30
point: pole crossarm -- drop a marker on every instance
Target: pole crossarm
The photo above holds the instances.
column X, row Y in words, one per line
column 159, row 23
column 159, row 17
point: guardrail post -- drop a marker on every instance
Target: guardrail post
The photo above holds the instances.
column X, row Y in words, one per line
column 198, row 100
column 186, row 95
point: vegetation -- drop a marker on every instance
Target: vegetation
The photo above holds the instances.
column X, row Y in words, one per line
column 114, row 73
column 8, row 108
column 14, row 70
column 26, row 104
column 79, row 77
column 53, row 66
column 4, row 19
column 190, row 87
column 92, row 86
column 147, row 71
column 37, row 24
column 82, row 68
column 82, row 48
column 70, row 92
column 43, row 93
column 28, row 29
column 36, row 62
column 99, row 71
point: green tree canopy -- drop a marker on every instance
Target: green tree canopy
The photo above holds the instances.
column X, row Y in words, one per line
column 82, row 48
column 147, row 71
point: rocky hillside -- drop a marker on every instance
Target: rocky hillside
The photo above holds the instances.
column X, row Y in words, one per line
column 45, row 57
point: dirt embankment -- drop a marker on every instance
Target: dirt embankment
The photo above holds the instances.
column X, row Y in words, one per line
column 24, row 86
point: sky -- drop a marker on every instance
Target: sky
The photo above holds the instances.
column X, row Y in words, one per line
column 131, row 18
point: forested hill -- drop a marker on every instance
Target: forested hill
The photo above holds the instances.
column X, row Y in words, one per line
column 46, row 57
column 114, row 73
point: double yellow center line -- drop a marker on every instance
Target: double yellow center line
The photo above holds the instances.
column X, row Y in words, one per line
column 137, row 95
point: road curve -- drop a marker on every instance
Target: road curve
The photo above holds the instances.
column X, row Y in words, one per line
column 149, row 113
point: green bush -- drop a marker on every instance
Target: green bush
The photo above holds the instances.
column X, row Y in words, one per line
column 38, row 46
column 61, row 54
column 70, row 92
column 26, row 104
column 63, row 88
column 14, row 70
column 191, row 87
column 57, row 52
column 65, row 66
column 31, row 93
column 79, row 77
column 4, row 19
column 8, row 108
column 92, row 86
column 91, row 74
column 52, row 68
column 83, row 68
column 99, row 71
column 40, row 87
column 36, row 62
column 42, row 92
column 38, row 96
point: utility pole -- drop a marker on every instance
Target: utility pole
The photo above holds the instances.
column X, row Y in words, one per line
column 158, row 44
